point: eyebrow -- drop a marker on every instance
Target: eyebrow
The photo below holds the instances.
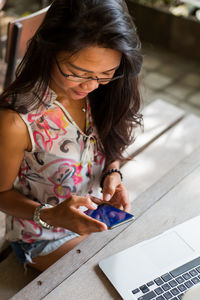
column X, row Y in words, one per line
column 84, row 70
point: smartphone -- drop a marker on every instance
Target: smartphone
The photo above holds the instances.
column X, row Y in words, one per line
column 110, row 215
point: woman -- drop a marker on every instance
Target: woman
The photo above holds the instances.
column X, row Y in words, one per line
column 64, row 124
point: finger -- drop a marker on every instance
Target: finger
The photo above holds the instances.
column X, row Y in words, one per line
column 96, row 200
column 84, row 201
column 125, row 202
column 89, row 225
column 121, row 198
column 95, row 225
column 109, row 188
column 127, row 206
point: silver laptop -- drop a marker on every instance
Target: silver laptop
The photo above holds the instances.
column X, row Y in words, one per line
column 161, row 268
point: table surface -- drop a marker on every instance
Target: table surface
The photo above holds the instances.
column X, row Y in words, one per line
column 177, row 201
column 163, row 182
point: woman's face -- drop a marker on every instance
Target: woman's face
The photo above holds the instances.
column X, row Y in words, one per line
column 90, row 62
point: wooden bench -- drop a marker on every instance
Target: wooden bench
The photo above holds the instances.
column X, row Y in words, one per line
column 165, row 142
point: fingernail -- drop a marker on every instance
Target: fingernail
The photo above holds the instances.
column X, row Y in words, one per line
column 104, row 228
column 94, row 205
column 107, row 197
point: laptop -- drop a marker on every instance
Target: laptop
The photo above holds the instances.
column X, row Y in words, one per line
column 161, row 268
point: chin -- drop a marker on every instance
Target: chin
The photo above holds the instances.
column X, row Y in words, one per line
column 78, row 95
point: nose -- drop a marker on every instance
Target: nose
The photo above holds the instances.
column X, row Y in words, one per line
column 90, row 85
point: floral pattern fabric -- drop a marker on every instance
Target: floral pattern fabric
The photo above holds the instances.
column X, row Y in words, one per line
column 63, row 161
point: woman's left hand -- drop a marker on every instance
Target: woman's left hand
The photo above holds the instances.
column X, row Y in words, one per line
column 115, row 192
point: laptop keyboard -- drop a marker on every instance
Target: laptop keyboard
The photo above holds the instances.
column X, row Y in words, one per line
column 171, row 285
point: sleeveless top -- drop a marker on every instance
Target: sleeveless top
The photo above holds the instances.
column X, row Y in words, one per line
column 64, row 161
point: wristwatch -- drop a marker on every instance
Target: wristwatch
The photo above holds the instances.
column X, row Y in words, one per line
column 36, row 216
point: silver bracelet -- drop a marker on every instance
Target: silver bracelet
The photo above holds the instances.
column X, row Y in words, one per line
column 36, row 216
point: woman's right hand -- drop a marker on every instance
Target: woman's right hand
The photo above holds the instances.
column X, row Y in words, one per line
column 68, row 215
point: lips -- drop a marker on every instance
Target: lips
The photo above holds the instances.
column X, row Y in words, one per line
column 80, row 93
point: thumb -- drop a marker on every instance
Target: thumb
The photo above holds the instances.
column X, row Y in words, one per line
column 108, row 191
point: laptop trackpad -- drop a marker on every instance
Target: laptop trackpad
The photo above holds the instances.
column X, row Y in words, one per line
column 166, row 250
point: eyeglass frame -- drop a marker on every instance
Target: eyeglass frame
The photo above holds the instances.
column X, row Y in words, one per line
column 85, row 79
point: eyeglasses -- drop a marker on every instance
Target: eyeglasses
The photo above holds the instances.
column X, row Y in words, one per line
column 75, row 78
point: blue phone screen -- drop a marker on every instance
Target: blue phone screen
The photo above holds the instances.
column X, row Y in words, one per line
column 109, row 215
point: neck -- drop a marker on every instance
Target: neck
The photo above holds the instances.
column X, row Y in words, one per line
column 64, row 99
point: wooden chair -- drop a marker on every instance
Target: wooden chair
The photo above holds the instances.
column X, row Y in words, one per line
column 20, row 31
column 2, row 3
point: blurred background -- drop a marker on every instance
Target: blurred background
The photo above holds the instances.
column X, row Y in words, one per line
column 169, row 31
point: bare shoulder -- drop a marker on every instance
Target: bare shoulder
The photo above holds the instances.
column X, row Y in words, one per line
column 12, row 126
column 13, row 142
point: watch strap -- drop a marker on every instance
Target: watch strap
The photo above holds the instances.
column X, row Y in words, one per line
column 36, row 216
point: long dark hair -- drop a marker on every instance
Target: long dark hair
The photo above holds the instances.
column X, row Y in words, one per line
column 71, row 25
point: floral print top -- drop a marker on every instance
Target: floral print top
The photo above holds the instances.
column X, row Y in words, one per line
column 63, row 161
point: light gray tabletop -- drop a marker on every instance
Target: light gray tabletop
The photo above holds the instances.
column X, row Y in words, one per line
column 172, row 200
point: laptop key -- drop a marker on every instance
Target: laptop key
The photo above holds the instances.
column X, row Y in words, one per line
column 158, row 281
column 148, row 296
column 181, row 288
column 175, row 291
column 144, row 288
column 186, row 276
column 193, row 273
column 173, row 283
column 166, row 277
column 158, row 291
column 135, row 291
column 160, row 298
column 195, row 280
column 189, row 284
column 166, row 287
column 198, row 269
column 167, row 295
column 180, row 279
column 150, row 283
column 180, row 296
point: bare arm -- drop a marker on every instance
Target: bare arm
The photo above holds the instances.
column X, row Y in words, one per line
column 14, row 140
